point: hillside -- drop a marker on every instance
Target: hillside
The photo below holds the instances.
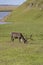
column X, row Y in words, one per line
column 31, row 8
column 29, row 16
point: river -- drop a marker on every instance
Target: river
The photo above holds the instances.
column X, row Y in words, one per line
column 2, row 15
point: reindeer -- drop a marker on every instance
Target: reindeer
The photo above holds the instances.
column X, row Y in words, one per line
column 15, row 35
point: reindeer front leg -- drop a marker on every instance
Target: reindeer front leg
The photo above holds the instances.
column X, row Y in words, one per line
column 19, row 39
column 12, row 38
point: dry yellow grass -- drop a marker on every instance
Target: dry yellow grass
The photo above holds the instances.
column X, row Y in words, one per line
column 7, row 8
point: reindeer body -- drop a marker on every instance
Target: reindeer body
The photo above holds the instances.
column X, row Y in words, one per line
column 15, row 35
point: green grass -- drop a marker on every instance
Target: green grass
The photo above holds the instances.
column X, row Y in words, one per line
column 26, row 21
column 19, row 53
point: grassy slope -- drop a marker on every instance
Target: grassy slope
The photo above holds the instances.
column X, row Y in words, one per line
column 28, row 21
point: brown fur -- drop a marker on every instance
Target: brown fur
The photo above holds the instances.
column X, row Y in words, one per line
column 15, row 35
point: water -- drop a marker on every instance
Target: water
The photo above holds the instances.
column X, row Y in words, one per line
column 3, row 14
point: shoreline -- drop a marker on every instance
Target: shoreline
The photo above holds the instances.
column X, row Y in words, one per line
column 1, row 20
column 6, row 10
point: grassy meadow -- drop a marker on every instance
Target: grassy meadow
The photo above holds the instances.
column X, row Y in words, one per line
column 27, row 21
